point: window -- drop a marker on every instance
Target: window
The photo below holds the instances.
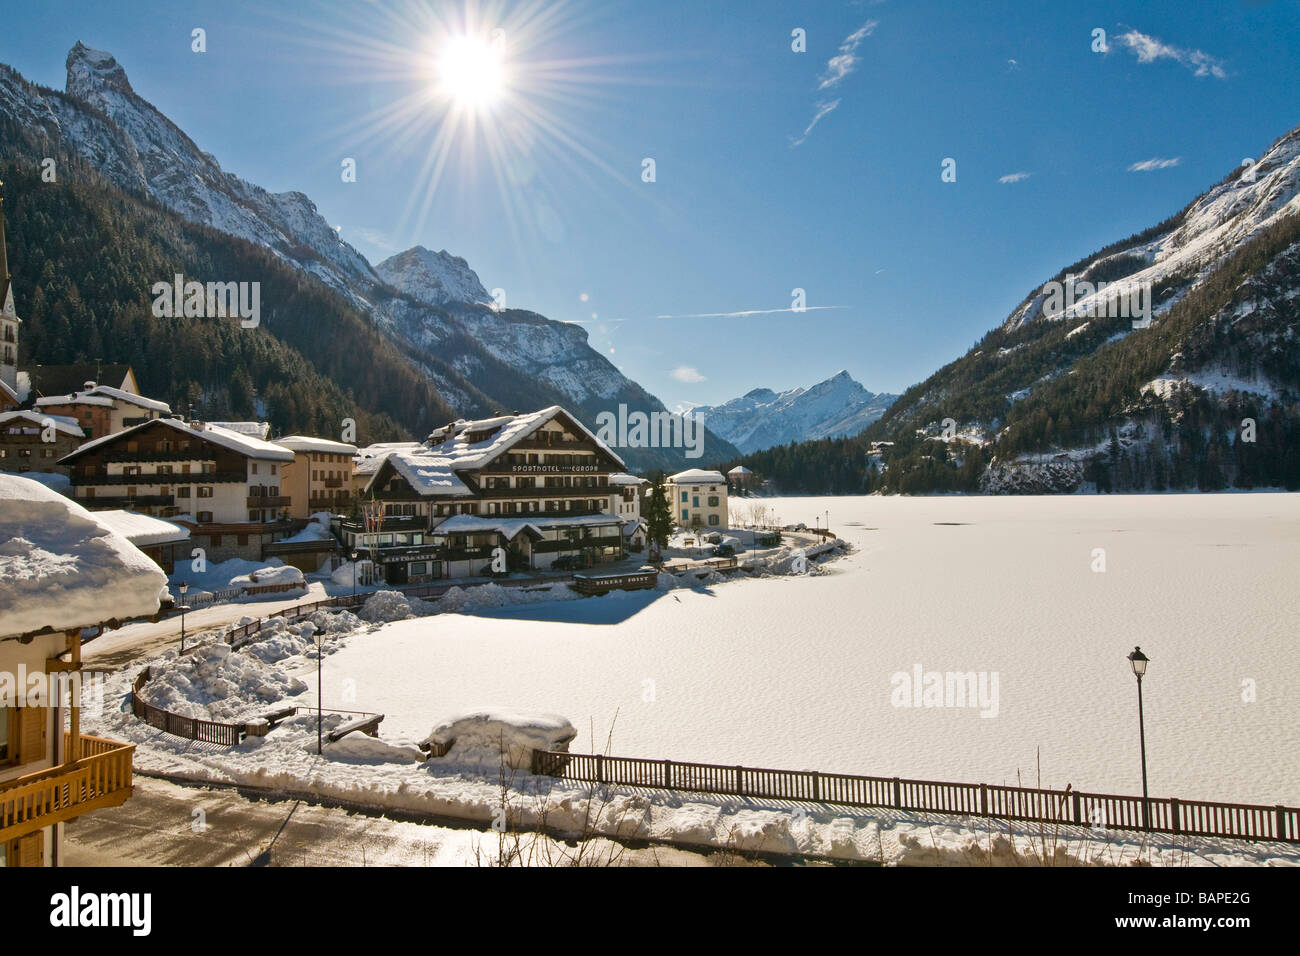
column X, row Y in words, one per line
column 254, row 467
column 204, row 492
column 241, row 539
column 684, row 497
column 273, row 467
column 205, row 517
column 183, row 491
column 419, row 567
column 686, row 514
column 696, row 502
column 713, row 501
column 255, row 516
column 713, row 519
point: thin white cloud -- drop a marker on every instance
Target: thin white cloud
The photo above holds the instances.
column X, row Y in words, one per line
column 846, row 61
column 837, row 68
column 684, row 373
column 734, row 315
column 822, row 110
column 1148, row 49
column 1147, row 165
column 1013, row 177
column 377, row 238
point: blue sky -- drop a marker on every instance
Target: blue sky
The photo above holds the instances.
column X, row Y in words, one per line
column 902, row 271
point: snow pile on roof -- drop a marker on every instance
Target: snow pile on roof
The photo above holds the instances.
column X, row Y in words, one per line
column 35, row 422
column 697, row 476
column 510, row 527
column 368, row 459
column 106, row 395
column 61, row 567
column 216, row 683
column 623, row 478
column 384, row 606
column 257, row 430
column 268, row 576
column 226, row 438
column 482, row 738
column 142, row 530
column 52, row 480
column 360, row 748
column 428, row 474
column 323, row 446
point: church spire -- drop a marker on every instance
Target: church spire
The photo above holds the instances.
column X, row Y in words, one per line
column 4, row 256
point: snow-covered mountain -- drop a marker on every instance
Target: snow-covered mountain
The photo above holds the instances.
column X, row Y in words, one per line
column 763, row 418
column 431, row 304
column 1083, row 386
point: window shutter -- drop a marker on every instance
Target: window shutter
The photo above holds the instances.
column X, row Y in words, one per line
column 32, row 734
column 31, row 849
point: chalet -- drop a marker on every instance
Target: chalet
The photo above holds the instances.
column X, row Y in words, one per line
column 34, row 442
column 536, row 485
column 224, row 487
column 65, row 570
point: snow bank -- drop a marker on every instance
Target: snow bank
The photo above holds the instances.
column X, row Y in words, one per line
column 384, row 606
column 357, row 747
column 62, row 568
column 216, row 683
column 281, row 638
column 483, row 737
column 459, row 600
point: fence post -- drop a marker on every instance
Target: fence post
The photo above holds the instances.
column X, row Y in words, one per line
column 740, row 772
column 817, row 786
column 1173, row 815
column 600, row 768
column 194, row 728
column 668, row 774
column 898, row 794
column 1078, row 809
column 1281, row 824
column 984, row 800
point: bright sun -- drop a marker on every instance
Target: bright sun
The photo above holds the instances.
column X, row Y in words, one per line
column 471, row 71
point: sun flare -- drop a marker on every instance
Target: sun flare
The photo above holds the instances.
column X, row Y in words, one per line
column 471, row 71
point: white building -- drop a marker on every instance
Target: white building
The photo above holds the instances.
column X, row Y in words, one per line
column 698, row 498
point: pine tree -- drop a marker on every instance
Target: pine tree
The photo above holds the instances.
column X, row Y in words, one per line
column 658, row 514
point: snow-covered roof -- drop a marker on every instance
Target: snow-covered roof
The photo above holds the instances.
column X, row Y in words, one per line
column 251, row 429
column 368, row 459
column 62, row 423
column 740, row 470
column 106, row 395
column 142, row 530
column 243, row 444
column 324, row 446
column 61, row 567
column 510, row 527
column 697, row 476
column 431, row 468
column 622, row 478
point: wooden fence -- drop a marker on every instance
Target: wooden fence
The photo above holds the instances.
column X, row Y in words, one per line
column 1064, row 807
column 192, row 728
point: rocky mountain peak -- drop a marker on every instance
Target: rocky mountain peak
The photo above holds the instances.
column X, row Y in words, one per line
column 90, row 70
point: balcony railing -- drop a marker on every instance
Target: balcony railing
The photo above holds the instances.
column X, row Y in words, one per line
column 574, row 491
column 188, row 454
column 101, row 778
column 268, row 501
column 333, row 482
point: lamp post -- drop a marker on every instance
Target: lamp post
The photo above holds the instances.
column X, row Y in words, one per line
column 354, row 577
column 1139, row 662
column 320, row 711
column 183, row 587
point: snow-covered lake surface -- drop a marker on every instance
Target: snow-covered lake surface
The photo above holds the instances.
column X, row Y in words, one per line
column 797, row 672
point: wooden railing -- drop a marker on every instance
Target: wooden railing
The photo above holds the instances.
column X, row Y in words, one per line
column 100, row 778
column 1057, row 807
column 191, row 728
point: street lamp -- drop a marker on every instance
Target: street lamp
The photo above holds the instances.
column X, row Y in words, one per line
column 320, row 711
column 1139, row 662
column 354, row 577
column 183, row 587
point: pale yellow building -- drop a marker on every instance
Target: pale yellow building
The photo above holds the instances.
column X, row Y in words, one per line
column 698, row 498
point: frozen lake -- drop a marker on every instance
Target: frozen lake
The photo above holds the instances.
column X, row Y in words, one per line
column 798, row 672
